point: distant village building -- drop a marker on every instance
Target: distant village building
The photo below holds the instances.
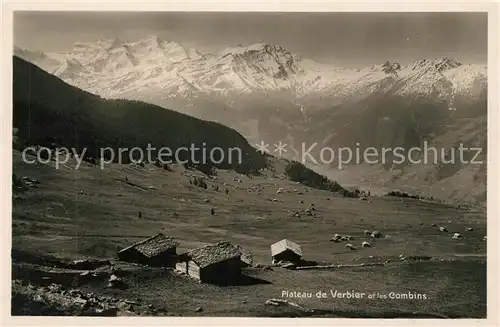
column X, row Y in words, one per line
column 217, row 263
column 158, row 250
column 286, row 250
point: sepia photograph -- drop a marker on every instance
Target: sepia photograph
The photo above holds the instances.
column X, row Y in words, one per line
column 249, row 164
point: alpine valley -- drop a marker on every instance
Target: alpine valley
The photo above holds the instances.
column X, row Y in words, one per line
column 269, row 94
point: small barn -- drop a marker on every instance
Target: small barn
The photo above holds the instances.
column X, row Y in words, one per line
column 158, row 250
column 217, row 263
column 286, row 250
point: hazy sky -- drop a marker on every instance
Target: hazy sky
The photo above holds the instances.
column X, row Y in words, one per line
column 337, row 38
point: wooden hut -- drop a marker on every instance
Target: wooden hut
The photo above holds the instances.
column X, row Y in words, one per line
column 217, row 263
column 158, row 250
column 286, row 250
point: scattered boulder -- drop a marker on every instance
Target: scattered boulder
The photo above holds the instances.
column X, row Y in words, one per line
column 350, row 246
column 107, row 312
column 456, row 236
column 199, row 309
column 484, row 238
column 367, row 232
column 442, row 229
column 28, row 181
column 469, row 229
column 85, row 273
column 284, row 264
column 288, row 265
column 114, row 278
column 115, row 282
column 273, row 302
column 376, row 234
column 338, row 238
column 366, row 245
column 74, row 301
column 55, row 288
column 74, row 293
column 280, row 302
column 335, row 239
column 308, row 212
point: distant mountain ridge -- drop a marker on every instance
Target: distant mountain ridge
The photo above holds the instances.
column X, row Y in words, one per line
column 267, row 93
column 116, row 68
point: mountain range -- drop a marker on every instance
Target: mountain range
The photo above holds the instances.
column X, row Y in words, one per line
column 48, row 112
column 116, row 68
column 266, row 92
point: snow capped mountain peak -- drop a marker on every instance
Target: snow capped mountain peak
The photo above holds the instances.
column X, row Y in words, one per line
column 445, row 63
column 440, row 64
column 254, row 49
column 240, row 49
column 149, row 43
column 38, row 58
column 391, row 67
column 153, row 69
column 70, row 69
column 117, row 42
column 20, row 51
column 195, row 54
column 274, row 61
column 153, row 39
column 154, row 50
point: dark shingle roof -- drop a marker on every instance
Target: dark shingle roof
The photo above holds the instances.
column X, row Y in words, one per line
column 211, row 254
column 246, row 256
column 154, row 245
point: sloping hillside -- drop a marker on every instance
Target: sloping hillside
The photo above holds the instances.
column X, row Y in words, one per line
column 48, row 111
column 388, row 122
column 91, row 213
